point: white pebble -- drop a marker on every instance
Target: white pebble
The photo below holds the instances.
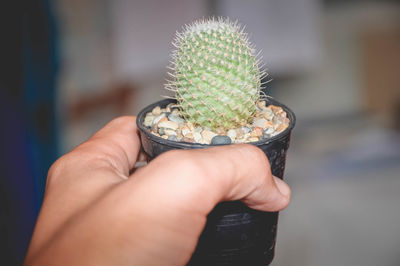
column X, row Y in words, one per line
column 176, row 119
column 267, row 114
column 156, row 110
column 170, row 132
column 185, row 131
column 259, row 122
column 173, row 138
column 232, row 134
column 269, row 130
column 207, row 136
column 197, row 137
column 246, row 130
column 261, row 104
column 158, row 118
column 148, row 120
column 169, row 125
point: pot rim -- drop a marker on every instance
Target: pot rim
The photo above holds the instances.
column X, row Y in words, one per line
column 188, row 145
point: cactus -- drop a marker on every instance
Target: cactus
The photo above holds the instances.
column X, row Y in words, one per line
column 215, row 74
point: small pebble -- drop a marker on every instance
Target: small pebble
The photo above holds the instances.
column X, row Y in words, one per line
column 221, row 140
column 161, row 131
column 286, row 121
column 185, row 130
column 164, row 136
column 156, row 110
column 261, row 104
column 173, row 138
column 253, row 139
column 260, row 122
column 246, row 130
column 170, row 132
column 158, row 118
column 268, row 114
column 220, row 131
column 207, row 136
column 239, row 133
column 190, row 125
column 176, row 119
column 257, row 132
column 281, row 128
column 265, row 136
column 283, row 114
column 189, row 136
column 169, row 125
column 277, row 121
column 232, row 134
column 163, row 120
column 154, row 128
column 185, row 139
column 148, row 120
column 275, row 133
column 276, row 109
column 269, row 130
column 197, row 137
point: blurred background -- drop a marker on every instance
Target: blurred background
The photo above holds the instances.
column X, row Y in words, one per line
column 68, row 67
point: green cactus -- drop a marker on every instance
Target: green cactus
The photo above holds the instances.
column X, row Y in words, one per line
column 215, row 74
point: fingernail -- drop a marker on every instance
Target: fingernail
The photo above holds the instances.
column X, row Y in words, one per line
column 284, row 189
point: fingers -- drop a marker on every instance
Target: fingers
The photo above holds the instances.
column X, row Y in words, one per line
column 82, row 176
column 116, row 147
column 176, row 191
column 207, row 176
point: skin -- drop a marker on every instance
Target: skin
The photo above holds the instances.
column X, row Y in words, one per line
column 95, row 213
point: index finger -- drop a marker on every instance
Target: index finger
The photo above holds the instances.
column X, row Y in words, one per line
column 82, row 176
column 116, row 147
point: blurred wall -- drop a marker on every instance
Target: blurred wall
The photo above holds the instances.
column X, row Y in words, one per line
column 287, row 32
column 336, row 88
column 143, row 32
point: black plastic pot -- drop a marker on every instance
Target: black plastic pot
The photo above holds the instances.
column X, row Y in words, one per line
column 234, row 233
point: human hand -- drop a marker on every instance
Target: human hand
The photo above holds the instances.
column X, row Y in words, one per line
column 95, row 213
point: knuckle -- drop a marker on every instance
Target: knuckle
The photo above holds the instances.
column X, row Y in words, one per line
column 255, row 155
column 64, row 164
column 287, row 198
column 259, row 162
column 55, row 170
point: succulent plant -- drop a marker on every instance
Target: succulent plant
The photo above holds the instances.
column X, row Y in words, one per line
column 215, row 74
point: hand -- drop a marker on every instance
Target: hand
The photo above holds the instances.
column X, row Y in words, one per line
column 95, row 213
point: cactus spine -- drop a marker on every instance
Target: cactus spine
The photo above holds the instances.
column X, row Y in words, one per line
column 215, row 74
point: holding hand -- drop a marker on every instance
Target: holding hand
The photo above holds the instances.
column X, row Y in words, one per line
column 95, row 213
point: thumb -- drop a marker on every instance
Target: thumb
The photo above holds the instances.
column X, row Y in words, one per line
column 204, row 177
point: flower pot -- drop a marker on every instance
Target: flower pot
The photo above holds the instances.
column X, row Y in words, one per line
column 234, row 233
